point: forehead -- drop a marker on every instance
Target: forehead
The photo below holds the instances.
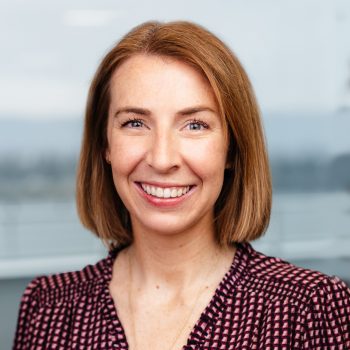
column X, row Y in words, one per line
column 142, row 62
column 142, row 76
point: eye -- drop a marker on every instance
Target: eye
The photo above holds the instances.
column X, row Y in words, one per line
column 197, row 125
column 133, row 123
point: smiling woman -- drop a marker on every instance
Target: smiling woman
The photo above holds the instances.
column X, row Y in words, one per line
column 159, row 148
column 174, row 177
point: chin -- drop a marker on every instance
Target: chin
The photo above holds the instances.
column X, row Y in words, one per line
column 166, row 226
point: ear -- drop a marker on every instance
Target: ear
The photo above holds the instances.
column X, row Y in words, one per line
column 108, row 156
column 229, row 165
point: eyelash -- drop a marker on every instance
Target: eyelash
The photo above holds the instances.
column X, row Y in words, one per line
column 191, row 122
column 131, row 120
column 199, row 122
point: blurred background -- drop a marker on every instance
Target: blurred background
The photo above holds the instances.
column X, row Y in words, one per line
column 297, row 54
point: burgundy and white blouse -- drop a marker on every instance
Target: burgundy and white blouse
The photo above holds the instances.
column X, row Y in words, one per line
column 261, row 303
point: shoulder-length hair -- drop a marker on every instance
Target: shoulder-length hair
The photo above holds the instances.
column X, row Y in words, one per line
column 242, row 211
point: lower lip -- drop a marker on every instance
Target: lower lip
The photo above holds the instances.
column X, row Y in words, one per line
column 164, row 202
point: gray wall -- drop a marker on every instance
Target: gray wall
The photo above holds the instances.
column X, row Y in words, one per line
column 11, row 291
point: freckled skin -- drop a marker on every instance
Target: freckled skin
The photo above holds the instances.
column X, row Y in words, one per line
column 165, row 148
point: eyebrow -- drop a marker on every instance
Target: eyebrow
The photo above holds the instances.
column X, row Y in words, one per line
column 134, row 110
column 147, row 112
column 196, row 109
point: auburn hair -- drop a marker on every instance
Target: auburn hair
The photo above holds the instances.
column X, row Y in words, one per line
column 242, row 210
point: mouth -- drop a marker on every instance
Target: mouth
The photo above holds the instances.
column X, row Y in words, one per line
column 165, row 192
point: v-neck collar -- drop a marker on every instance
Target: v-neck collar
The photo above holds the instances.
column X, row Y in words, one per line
column 206, row 321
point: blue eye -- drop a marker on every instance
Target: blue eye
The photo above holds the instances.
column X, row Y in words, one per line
column 197, row 125
column 133, row 123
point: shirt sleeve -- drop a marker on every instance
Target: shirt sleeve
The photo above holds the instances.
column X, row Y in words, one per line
column 328, row 320
column 24, row 335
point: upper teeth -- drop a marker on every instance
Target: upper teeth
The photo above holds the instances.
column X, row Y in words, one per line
column 165, row 192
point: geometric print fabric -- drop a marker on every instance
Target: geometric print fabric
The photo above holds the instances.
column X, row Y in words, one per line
column 262, row 303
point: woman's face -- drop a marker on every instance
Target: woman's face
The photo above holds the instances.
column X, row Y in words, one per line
column 166, row 144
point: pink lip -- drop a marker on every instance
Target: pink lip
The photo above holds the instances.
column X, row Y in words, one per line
column 162, row 184
column 163, row 202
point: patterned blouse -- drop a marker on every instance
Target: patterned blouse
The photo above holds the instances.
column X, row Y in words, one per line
column 261, row 303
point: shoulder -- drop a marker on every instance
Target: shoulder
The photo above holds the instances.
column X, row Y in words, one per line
column 54, row 302
column 277, row 278
column 316, row 304
column 68, row 286
column 278, row 281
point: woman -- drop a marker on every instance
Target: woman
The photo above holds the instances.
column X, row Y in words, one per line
column 174, row 177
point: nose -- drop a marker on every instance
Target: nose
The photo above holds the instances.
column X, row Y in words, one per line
column 163, row 153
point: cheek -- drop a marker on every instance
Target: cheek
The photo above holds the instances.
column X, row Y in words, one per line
column 125, row 155
column 208, row 160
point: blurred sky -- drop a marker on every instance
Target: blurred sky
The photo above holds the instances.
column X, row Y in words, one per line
column 297, row 52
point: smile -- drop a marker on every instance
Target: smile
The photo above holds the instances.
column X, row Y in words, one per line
column 165, row 192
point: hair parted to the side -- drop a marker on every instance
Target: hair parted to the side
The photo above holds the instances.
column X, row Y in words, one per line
column 242, row 211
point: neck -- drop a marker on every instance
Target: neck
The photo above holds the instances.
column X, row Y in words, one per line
column 174, row 261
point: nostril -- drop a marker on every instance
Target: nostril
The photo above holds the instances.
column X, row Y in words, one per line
column 163, row 154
